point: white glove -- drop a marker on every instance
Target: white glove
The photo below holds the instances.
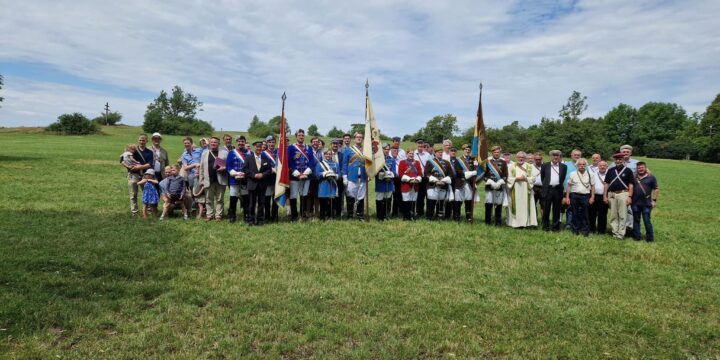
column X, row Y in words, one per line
column 296, row 173
column 274, row 170
column 307, row 171
column 405, row 178
column 497, row 186
column 345, row 180
column 432, row 179
column 233, row 172
column 446, row 180
column 475, row 163
column 418, row 179
column 469, row 174
column 500, row 182
column 381, row 174
column 389, row 175
column 328, row 174
column 490, row 183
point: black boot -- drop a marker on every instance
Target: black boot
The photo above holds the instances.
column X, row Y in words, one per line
column 430, row 210
column 498, row 215
column 360, row 210
column 232, row 211
column 350, row 206
column 456, row 210
column 488, row 214
column 293, row 210
column 405, row 209
column 468, row 211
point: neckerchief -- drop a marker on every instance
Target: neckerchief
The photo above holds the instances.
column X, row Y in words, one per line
column 437, row 167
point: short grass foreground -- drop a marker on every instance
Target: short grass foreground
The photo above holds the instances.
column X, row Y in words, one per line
column 79, row 278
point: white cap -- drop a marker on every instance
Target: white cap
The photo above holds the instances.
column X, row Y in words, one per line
column 157, row 134
column 150, row 171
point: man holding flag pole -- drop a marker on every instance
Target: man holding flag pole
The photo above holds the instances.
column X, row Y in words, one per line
column 479, row 149
column 282, row 179
column 374, row 156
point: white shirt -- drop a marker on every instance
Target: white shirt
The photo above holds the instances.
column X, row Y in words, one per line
column 446, row 156
column 581, row 183
column 423, row 159
column 402, row 155
column 599, row 181
column 554, row 174
column 536, row 174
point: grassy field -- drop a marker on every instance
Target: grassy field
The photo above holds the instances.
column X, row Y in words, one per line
column 80, row 278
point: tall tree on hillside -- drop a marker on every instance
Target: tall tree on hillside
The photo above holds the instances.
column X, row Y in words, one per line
column 274, row 125
column 619, row 124
column 574, row 108
column 259, row 128
column 335, row 133
column 710, row 122
column 439, row 128
column 313, row 130
column 658, row 123
column 175, row 114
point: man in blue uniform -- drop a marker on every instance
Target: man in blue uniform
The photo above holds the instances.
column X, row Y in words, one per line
column 327, row 172
column 354, row 177
column 237, row 181
column 384, row 186
column 301, row 162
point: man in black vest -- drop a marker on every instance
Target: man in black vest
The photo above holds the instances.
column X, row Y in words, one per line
column 257, row 170
column 553, row 175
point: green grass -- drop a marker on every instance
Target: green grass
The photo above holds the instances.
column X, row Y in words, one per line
column 79, row 278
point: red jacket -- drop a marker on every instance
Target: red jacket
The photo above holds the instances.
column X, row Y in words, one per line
column 405, row 169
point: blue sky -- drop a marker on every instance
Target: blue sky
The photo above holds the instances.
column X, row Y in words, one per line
column 422, row 58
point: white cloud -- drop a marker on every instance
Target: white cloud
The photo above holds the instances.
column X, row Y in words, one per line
column 423, row 58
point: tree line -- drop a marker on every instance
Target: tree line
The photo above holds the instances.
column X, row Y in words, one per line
column 658, row 130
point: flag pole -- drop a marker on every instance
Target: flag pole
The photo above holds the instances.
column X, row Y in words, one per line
column 477, row 157
column 367, row 178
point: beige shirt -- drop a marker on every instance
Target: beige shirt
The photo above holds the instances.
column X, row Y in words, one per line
column 581, row 183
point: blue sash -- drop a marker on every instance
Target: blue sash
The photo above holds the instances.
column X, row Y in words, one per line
column 437, row 167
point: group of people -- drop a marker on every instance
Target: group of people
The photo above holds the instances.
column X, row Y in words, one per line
column 434, row 182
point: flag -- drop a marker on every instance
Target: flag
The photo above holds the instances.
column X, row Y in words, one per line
column 374, row 162
column 479, row 148
column 282, row 180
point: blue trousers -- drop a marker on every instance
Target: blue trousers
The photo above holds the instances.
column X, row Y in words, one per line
column 580, row 204
column 644, row 212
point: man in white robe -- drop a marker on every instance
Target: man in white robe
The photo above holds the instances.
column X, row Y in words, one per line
column 521, row 209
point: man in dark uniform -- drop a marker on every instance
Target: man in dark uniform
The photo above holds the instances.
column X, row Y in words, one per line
column 464, row 182
column 552, row 175
column 422, row 156
column 257, row 170
column 495, row 175
column 271, row 153
column 440, row 176
column 619, row 183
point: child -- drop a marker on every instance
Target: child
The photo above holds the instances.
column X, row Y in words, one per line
column 127, row 157
column 173, row 191
column 150, row 196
